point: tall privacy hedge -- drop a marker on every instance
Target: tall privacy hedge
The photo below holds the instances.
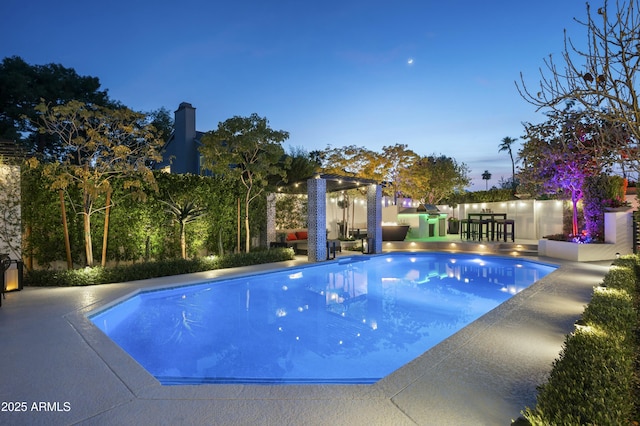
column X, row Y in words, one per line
column 139, row 230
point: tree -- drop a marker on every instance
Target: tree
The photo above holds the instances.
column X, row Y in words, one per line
column 162, row 120
column 508, row 183
column 24, row 86
column 394, row 160
column 599, row 77
column 433, row 178
column 559, row 154
column 183, row 214
column 98, row 145
column 486, row 176
column 352, row 161
column 301, row 165
column 505, row 145
column 247, row 149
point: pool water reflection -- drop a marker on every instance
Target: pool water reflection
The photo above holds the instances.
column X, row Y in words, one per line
column 354, row 320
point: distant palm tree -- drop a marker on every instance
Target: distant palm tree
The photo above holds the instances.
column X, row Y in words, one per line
column 506, row 146
column 486, row 176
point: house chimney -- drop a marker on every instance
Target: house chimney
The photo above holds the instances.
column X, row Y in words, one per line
column 185, row 137
column 185, row 121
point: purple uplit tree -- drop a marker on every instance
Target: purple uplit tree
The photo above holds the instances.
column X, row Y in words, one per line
column 570, row 174
column 559, row 155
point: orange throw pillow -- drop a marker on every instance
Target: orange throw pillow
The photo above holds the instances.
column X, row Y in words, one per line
column 291, row 236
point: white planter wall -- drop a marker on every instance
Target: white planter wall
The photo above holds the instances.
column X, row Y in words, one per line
column 533, row 218
column 618, row 241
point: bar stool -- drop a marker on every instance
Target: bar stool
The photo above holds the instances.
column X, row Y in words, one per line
column 484, row 229
column 491, row 229
column 478, row 228
column 464, row 228
column 505, row 228
column 499, row 224
column 510, row 229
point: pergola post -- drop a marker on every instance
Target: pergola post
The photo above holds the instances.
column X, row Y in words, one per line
column 374, row 218
column 317, row 220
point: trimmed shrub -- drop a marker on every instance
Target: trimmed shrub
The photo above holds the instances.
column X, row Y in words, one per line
column 594, row 379
column 141, row 271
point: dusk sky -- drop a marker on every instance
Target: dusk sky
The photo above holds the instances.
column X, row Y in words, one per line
column 438, row 76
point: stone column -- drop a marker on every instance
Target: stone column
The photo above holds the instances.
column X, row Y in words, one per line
column 374, row 218
column 317, row 220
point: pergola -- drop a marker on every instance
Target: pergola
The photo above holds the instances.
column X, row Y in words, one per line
column 316, row 189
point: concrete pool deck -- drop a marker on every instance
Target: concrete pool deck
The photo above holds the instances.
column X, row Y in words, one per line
column 67, row 372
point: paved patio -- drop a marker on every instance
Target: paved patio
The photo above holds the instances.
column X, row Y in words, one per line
column 68, row 372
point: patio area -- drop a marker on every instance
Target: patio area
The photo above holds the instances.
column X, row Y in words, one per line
column 68, row 372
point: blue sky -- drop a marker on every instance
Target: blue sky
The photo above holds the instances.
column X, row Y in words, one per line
column 437, row 76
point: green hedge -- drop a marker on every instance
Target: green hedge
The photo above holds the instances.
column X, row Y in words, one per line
column 139, row 229
column 140, row 271
column 594, row 380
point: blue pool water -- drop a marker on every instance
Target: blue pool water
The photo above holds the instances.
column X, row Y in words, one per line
column 354, row 320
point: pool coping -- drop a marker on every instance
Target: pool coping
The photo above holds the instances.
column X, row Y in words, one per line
column 138, row 381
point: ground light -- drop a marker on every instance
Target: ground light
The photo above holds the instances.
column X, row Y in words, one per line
column 11, row 277
column 581, row 325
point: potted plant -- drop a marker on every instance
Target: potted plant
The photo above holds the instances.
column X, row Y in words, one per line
column 454, row 226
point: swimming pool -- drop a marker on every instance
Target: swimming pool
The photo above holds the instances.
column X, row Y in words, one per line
column 354, row 320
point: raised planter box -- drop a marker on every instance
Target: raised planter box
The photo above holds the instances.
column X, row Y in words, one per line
column 454, row 227
column 618, row 240
column 577, row 252
column 348, row 245
column 394, row 232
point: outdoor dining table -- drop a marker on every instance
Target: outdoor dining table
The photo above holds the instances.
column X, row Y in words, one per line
column 491, row 217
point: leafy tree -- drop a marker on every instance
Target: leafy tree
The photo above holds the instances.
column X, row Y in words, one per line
column 301, row 165
column 600, row 77
column 99, row 144
column 508, row 183
column 434, row 178
column 486, row 176
column 247, row 149
column 352, row 161
column 505, row 145
column 162, row 120
column 385, row 167
column 24, row 86
column 395, row 159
